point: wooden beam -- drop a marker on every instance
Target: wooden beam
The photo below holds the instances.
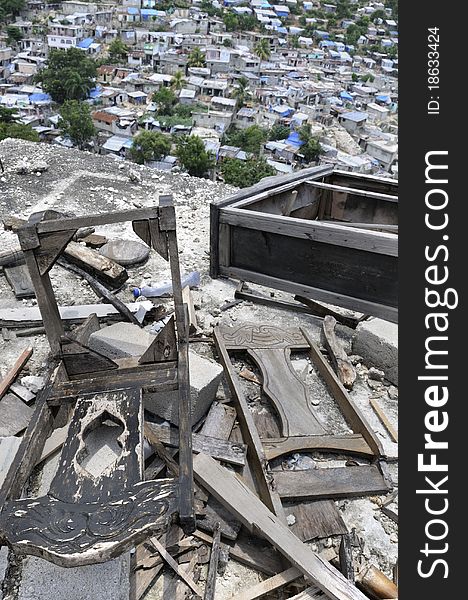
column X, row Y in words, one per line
column 352, row 413
column 13, row 373
column 254, row 515
column 175, row 567
column 322, row 311
column 210, row 587
column 343, row 368
column 269, row 585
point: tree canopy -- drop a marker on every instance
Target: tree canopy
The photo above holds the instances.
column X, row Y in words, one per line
column 165, row 98
column 196, row 58
column 10, row 8
column 149, row 145
column 250, row 139
column 69, row 75
column 76, row 122
column 10, row 128
column 311, row 149
column 117, row 50
column 243, row 173
column 193, row 157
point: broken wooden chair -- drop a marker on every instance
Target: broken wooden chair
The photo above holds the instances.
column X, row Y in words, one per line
column 90, row 516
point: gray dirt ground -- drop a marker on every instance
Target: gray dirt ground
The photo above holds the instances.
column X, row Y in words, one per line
column 84, row 183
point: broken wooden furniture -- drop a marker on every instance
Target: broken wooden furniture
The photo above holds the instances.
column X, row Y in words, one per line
column 319, row 233
column 91, row 515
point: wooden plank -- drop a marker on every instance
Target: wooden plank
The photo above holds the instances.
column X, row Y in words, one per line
column 210, row 586
column 269, row 585
column 315, row 519
column 19, row 279
column 265, row 301
column 158, row 239
column 376, row 584
column 13, row 373
column 30, row 316
column 346, row 444
column 382, row 311
column 108, row 271
column 83, row 332
column 352, row 413
column 250, row 510
column 221, row 449
column 53, row 443
column 98, row 219
column 311, row 593
column 14, row 415
column 358, row 191
column 384, row 419
column 327, row 233
column 343, row 368
column 214, row 512
column 52, row 245
column 255, row 454
column 341, row 482
column 175, row 567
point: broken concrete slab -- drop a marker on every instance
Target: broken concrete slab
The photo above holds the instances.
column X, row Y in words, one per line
column 120, row 340
column 125, row 252
column 376, row 341
column 42, row 580
column 14, row 415
column 205, row 376
column 33, row 383
column 8, row 448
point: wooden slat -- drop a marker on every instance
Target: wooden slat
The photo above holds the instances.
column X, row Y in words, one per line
column 352, row 413
column 315, row 519
column 384, row 419
column 221, row 449
column 13, row 373
column 176, row 568
column 342, row 365
column 339, row 235
column 269, row 585
column 357, row 191
column 230, row 490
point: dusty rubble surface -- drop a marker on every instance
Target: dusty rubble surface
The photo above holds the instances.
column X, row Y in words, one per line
column 81, row 183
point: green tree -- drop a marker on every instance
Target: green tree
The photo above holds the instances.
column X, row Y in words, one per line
column 76, row 122
column 311, row 148
column 378, row 14
column 18, row 130
column 262, row 50
column 250, row 139
column 279, row 132
column 149, row 145
column 243, row 173
column 165, row 98
column 117, row 50
column 14, row 34
column 178, row 81
column 196, row 58
column 241, row 92
column 231, row 22
column 227, row 43
column 343, row 9
column 355, row 77
column 10, row 8
column 69, row 75
column 8, row 115
column 193, row 157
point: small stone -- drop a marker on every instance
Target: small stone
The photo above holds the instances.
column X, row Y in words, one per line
column 290, row 520
column 393, row 392
column 355, row 359
column 394, row 538
column 375, row 374
column 33, row 383
column 374, row 385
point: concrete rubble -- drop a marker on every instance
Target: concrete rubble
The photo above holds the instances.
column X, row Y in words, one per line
column 87, row 183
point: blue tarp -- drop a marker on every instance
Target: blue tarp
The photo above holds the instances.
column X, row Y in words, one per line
column 281, row 30
column 133, row 11
column 96, row 92
column 86, row 43
column 294, row 139
column 345, row 95
column 149, row 11
column 33, row 98
column 382, row 98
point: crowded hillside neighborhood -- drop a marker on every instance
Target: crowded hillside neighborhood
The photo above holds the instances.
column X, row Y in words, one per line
column 231, row 90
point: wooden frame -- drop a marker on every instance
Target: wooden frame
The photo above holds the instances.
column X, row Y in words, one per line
column 310, row 234
column 82, row 374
